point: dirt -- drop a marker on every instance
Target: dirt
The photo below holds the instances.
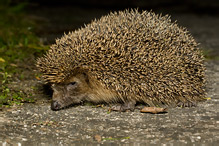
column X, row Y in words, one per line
column 37, row 124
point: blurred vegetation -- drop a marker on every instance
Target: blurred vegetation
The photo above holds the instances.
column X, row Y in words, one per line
column 18, row 44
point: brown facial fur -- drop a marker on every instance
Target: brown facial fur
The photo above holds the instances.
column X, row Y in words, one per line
column 78, row 88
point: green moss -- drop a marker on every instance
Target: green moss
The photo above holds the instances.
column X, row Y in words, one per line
column 18, row 43
column 209, row 55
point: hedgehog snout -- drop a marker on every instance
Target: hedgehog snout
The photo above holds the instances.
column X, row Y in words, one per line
column 55, row 105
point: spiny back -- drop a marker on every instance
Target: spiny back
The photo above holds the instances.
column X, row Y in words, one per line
column 135, row 54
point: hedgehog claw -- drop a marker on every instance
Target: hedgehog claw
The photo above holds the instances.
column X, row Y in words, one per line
column 186, row 104
column 128, row 106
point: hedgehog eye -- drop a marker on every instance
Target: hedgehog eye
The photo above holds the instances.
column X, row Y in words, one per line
column 71, row 86
column 72, row 83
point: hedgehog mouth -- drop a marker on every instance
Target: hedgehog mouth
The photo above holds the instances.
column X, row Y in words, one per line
column 55, row 106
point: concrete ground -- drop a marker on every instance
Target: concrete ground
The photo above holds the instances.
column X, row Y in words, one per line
column 36, row 124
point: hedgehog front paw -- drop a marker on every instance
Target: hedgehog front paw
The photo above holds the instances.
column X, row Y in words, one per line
column 187, row 104
column 128, row 106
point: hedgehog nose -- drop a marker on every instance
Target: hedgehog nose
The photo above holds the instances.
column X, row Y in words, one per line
column 55, row 105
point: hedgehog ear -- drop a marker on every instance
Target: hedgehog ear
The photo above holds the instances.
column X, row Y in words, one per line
column 85, row 76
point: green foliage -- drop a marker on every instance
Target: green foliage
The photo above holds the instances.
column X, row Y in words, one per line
column 17, row 40
column 17, row 44
column 209, row 55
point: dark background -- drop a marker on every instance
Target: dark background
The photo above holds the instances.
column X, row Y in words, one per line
column 196, row 6
column 54, row 17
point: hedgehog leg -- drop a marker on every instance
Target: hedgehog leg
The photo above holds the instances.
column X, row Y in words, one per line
column 127, row 106
column 187, row 104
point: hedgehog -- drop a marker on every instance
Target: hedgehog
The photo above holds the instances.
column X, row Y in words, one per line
column 125, row 58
